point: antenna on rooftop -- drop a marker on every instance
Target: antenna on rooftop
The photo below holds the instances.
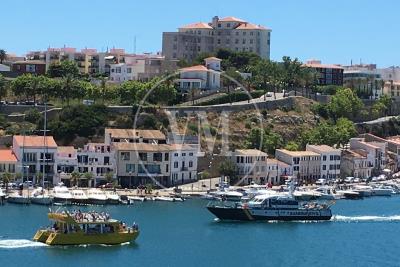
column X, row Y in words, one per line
column 134, row 44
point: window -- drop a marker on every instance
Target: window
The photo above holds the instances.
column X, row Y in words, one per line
column 125, row 155
column 150, row 168
column 176, row 154
column 143, row 156
column 331, row 157
column 236, row 41
column 166, row 156
column 324, row 167
column 129, row 70
column 183, row 154
column 244, row 41
column 130, row 168
column 118, row 69
column 29, row 157
column 190, row 154
column 175, row 164
column 324, row 158
column 219, row 25
column 157, row 157
column 190, row 164
column 228, row 25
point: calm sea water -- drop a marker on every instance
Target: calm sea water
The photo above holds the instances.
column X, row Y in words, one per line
column 362, row 233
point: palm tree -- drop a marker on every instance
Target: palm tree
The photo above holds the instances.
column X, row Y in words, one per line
column 109, row 177
column 89, row 177
column 7, row 178
column 3, row 55
column 75, row 178
column 3, row 87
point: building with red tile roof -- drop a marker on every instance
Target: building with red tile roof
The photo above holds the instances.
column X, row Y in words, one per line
column 228, row 33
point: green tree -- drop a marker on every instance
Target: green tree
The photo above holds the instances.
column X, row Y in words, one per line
column 88, row 176
column 228, row 169
column 267, row 141
column 345, row 103
column 32, row 115
column 75, row 176
column 292, row 146
column 3, row 87
column 63, row 69
column 3, row 55
column 109, row 177
column 7, row 178
column 382, row 106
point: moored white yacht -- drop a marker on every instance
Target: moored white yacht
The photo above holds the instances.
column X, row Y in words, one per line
column 18, row 198
column 62, row 195
column 96, row 196
column 40, row 197
column 112, row 197
column 328, row 193
column 79, row 197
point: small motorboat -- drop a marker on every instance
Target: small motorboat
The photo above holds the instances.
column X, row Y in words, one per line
column 137, row 198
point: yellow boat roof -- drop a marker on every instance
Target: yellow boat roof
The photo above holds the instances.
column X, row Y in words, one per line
column 66, row 218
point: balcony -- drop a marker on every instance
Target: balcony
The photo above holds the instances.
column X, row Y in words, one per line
column 183, row 169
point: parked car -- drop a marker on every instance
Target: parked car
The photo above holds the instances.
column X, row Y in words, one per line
column 356, row 180
column 269, row 94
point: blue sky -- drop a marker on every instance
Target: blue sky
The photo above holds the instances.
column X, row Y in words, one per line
column 335, row 31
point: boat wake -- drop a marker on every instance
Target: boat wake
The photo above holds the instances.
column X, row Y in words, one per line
column 19, row 243
column 340, row 218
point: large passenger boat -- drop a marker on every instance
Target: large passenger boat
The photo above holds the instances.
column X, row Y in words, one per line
column 271, row 207
column 80, row 228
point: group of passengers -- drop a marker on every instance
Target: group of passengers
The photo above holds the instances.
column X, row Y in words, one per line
column 91, row 216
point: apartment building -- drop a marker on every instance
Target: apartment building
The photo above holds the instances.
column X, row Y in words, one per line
column 183, row 163
column 392, row 89
column 355, row 163
column 66, row 162
column 363, row 78
column 8, row 162
column 97, row 159
column 254, row 166
column 330, row 160
column 29, row 67
column 375, row 152
column 329, row 74
column 141, row 67
column 228, row 33
column 113, row 135
column 306, row 165
column 36, row 154
column 204, row 77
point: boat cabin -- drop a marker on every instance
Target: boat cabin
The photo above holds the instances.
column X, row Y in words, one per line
column 273, row 202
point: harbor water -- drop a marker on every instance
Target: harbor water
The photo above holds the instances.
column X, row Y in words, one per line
column 361, row 233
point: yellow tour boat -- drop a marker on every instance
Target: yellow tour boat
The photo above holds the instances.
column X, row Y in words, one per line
column 80, row 228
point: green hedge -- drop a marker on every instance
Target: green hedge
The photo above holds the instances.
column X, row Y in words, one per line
column 234, row 97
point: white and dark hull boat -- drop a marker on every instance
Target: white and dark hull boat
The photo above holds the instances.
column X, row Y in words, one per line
column 96, row 197
column 168, row 199
column 62, row 196
column 17, row 199
column 42, row 200
column 112, row 198
column 79, row 197
column 383, row 192
column 271, row 208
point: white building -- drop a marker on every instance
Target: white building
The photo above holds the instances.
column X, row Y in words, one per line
column 203, row 77
column 36, row 154
column 355, row 163
column 66, row 162
column 376, row 152
column 97, row 159
column 306, row 165
column 330, row 160
column 183, row 163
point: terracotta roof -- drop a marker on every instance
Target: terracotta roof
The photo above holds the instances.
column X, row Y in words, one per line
column 298, row 153
column 36, row 62
column 197, row 25
column 250, row 152
column 229, row 19
column 194, row 68
column 132, row 133
column 34, row 141
column 143, row 147
column 322, row 66
column 213, row 58
column 250, row 26
column 322, row 148
column 66, row 149
column 7, row 155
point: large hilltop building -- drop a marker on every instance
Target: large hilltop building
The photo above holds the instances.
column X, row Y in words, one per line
column 229, row 33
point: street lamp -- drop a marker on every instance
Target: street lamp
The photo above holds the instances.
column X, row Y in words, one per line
column 130, row 179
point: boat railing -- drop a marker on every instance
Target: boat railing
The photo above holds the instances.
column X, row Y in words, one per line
column 225, row 204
